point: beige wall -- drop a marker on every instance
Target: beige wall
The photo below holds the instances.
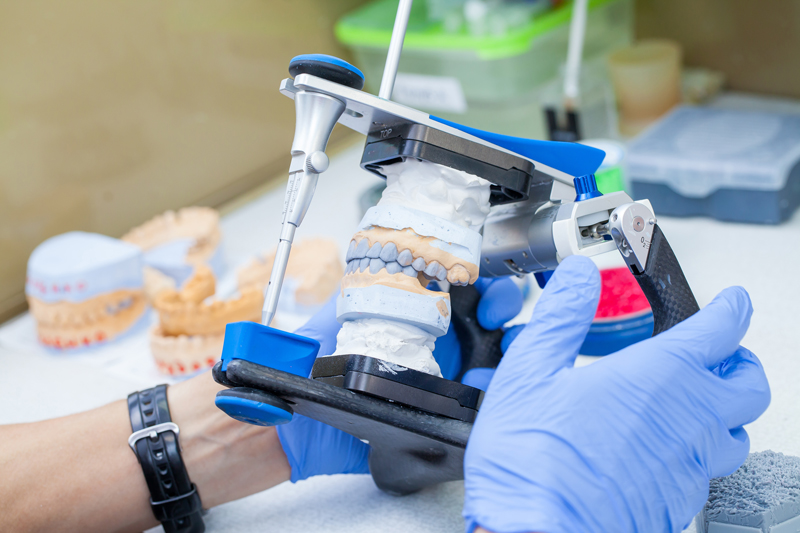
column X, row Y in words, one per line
column 113, row 111
column 756, row 43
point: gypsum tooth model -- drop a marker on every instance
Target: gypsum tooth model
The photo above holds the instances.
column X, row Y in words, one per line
column 84, row 288
column 426, row 226
column 190, row 332
column 176, row 242
column 312, row 275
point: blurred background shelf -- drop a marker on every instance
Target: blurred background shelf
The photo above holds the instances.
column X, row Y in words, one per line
column 112, row 112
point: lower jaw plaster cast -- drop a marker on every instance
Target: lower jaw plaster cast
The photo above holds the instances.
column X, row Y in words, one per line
column 191, row 331
column 84, row 288
column 69, row 325
column 424, row 228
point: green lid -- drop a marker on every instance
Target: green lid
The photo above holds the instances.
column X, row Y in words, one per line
column 371, row 26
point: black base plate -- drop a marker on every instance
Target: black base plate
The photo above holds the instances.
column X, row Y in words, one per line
column 511, row 176
column 399, row 384
column 410, row 449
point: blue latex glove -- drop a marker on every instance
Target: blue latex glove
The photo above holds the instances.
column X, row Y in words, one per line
column 628, row 443
column 501, row 300
column 314, row 448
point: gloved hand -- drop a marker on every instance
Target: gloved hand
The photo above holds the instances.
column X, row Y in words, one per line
column 501, row 300
column 314, row 448
column 628, row 443
column 311, row 447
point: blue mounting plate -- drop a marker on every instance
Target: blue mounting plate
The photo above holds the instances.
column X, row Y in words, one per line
column 571, row 158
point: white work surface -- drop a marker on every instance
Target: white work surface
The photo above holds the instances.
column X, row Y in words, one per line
column 35, row 385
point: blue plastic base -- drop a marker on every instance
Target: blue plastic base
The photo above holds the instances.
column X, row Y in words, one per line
column 609, row 337
column 252, row 412
column 269, row 347
column 252, row 406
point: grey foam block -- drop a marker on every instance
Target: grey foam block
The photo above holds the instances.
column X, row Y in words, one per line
column 763, row 496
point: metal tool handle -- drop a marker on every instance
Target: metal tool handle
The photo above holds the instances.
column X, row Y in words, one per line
column 395, row 49
column 665, row 286
column 480, row 348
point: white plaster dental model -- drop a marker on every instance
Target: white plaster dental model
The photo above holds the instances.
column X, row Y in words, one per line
column 84, row 288
column 424, row 228
column 177, row 242
column 312, row 274
column 191, row 329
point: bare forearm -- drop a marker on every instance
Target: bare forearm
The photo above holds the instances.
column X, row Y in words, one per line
column 78, row 473
column 71, row 473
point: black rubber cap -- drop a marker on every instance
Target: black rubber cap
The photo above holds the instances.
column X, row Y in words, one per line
column 329, row 68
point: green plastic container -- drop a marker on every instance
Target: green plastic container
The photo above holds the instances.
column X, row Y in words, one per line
column 609, row 176
column 489, row 82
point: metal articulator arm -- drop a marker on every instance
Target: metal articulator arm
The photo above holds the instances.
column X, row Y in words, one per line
column 653, row 263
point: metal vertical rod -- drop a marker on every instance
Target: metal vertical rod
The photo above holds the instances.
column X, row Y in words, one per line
column 577, row 32
column 395, row 48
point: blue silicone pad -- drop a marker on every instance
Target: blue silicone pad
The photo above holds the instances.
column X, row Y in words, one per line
column 252, row 412
column 324, row 58
column 269, row 347
column 572, row 158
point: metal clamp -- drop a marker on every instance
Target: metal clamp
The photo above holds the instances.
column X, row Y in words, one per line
column 152, row 432
column 632, row 228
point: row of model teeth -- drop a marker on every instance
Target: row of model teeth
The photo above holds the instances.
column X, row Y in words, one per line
column 62, row 316
column 361, row 257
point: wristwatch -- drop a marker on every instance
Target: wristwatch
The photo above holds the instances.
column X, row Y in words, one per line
column 154, row 441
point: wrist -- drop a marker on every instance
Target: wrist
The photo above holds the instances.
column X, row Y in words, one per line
column 225, row 459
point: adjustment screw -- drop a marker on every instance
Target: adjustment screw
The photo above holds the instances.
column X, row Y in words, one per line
column 638, row 223
column 586, row 188
column 317, row 162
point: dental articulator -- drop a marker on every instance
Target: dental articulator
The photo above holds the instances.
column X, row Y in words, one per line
column 459, row 203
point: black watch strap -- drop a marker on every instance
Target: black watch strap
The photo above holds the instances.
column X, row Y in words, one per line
column 173, row 497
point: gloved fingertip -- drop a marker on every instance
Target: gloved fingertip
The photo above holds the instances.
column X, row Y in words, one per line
column 733, row 364
column 716, row 330
column 510, row 335
column 747, row 385
column 571, row 294
column 741, row 435
column 478, row 378
column 484, row 283
column 730, row 454
column 736, row 301
column 500, row 302
column 577, row 265
column 577, row 273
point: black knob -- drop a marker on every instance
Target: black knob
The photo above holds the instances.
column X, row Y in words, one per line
column 329, row 68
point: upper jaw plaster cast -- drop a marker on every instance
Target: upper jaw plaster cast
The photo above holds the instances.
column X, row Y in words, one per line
column 425, row 227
